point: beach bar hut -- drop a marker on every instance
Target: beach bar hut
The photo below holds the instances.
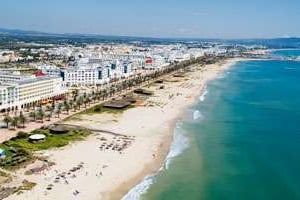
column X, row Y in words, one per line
column 59, row 129
column 117, row 104
column 143, row 91
column 37, row 138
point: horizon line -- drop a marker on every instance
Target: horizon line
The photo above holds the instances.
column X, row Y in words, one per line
column 145, row 37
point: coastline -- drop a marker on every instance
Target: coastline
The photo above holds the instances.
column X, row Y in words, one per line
column 125, row 188
column 152, row 127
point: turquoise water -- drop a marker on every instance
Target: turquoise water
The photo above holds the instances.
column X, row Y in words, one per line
column 289, row 52
column 244, row 139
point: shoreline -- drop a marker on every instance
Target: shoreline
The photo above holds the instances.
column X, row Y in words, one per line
column 140, row 177
column 151, row 126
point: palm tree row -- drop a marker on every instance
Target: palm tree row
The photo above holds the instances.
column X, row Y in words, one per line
column 15, row 121
column 77, row 101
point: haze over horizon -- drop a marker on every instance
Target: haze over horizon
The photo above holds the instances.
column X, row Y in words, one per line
column 188, row 19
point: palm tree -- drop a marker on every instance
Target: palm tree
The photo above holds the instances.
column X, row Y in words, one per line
column 67, row 107
column 58, row 111
column 33, row 115
column 60, row 105
column 75, row 107
column 75, row 93
column 15, row 122
column 22, row 120
column 104, row 94
column 53, row 103
column 65, row 102
column 112, row 91
column 71, row 104
column 93, row 98
column 78, row 104
column 41, row 115
column 48, row 115
column 7, row 119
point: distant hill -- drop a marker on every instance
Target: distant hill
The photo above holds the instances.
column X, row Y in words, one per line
column 5, row 31
column 42, row 37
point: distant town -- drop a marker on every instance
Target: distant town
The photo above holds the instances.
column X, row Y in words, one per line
column 35, row 73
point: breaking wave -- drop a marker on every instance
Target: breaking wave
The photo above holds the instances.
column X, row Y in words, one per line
column 179, row 144
column 202, row 97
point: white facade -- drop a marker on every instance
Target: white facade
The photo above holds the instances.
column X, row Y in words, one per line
column 90, row 72
column 9, row 77
column 83, row 77
column 27, row 91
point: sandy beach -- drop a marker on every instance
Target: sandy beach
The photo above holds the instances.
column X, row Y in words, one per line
column 127, row 146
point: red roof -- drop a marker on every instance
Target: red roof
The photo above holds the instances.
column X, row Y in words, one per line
column 148, row 60
column 38, row 74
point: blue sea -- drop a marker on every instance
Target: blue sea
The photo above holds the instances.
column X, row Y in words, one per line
column 240, row 141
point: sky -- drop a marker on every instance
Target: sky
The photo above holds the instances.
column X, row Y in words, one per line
column 156, row 18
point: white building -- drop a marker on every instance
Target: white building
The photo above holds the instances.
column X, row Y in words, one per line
column 83, row 76
column 91, row 72
column 26, row 91
column 9, row 77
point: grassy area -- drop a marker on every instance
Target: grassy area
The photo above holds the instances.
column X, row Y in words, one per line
column 101, row 109
column 19, row 149
column 98, row 109
column 52, row 140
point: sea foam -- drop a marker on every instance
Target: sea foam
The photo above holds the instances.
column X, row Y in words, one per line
column 179, row 144
column 197, row 115
column 202, row 97
column 136, row 192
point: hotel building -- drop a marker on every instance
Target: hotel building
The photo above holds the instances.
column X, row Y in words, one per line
column 91, row 72
column 27, row 91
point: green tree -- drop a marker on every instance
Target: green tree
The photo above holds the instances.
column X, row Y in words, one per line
column 15, row 122
column 41, row 115
column 7, row 119
column 33, row 115
column 22, row 119
column 58, row 111
column 67, row 107
column 71, row 104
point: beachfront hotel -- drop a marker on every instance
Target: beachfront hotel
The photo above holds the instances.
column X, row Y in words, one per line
column 19, row 91
column 83, row 76
column 91, row 72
